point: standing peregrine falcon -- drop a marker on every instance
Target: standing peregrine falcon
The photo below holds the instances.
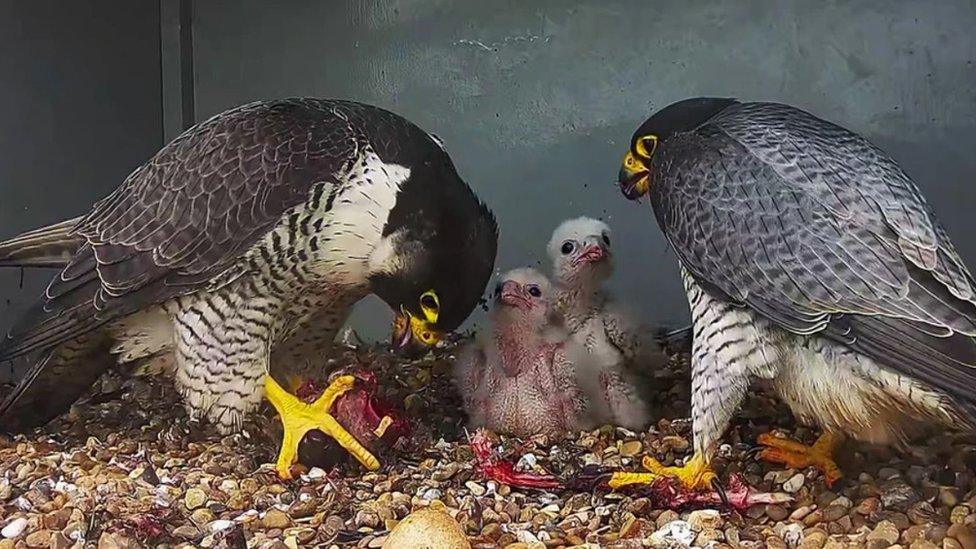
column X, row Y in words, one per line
column 812, row 260
column 244, row 243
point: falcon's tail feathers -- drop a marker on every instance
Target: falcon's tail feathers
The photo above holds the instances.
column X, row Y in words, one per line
column 54, row 381
column 49, row 246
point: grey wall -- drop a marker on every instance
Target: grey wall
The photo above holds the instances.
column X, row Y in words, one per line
column 79, row 109
column 537, row 100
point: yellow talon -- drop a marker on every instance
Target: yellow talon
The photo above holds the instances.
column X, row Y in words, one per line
column 696, row 474
column 298, row 418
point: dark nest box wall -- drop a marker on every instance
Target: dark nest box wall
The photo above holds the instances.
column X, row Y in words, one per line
column 535, row 100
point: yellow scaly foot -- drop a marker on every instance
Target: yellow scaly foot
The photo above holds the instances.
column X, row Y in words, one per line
column 298, row 418
column 696, row 474
column 796, row 455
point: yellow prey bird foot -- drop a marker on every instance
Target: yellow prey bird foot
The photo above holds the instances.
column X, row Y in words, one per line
column 298, row 418
column 798, row 456
column 695, row 475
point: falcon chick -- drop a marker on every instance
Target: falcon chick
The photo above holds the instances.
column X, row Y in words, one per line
column 518, row 376
column 811, row 260
column 242, row 245
column 581, row 262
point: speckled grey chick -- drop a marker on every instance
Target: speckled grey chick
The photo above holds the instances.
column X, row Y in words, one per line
column 518, row 376
column 616, row 344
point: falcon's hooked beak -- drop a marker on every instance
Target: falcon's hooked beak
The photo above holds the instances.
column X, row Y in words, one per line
column 635, row 173
column 408, row 328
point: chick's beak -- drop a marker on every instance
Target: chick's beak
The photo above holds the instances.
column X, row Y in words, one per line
column 634, row 177
column 513, row 294
column 592, row 254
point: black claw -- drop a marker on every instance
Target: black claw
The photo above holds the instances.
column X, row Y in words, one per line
column 717, row 486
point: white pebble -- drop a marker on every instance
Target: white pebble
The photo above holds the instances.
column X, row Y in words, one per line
column 219, row 525
column 526, row 537
column 316, row 473
column 676, row 533
column 794, row 483
column 793, row 534
column 526, row 462
column 14, row 528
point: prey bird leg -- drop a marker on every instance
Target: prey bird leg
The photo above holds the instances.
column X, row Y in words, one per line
column 298, row 418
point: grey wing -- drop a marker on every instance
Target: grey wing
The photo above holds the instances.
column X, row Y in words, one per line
column 816, row 229
column 187, row 215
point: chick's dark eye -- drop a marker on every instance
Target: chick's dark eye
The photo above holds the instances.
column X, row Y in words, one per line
column 498, row 289
column 567, row 247
column 534, row 291
column 606, row 239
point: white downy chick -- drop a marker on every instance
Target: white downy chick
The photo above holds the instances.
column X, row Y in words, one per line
column 618, row 346
column 518, row 377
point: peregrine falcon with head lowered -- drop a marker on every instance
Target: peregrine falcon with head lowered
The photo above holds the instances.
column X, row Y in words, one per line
column 811, row 260
column 243, row 244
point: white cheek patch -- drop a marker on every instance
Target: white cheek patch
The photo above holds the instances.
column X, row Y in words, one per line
column 384, row 258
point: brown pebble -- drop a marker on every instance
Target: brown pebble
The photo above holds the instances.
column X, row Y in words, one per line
column 40, row 538
column 885, row 531
column 813, row 540
column 275, row 518
column 114, row 540
column 868, row 507
column 801, row 513
column 776, row 512
column 833, row 513
column 964, row 535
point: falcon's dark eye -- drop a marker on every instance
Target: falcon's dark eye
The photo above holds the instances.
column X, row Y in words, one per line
column 428, row 301
column 568, row 247
column 606, row 239
column 534, row 291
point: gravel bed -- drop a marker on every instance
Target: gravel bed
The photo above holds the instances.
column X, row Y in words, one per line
column 127, row 468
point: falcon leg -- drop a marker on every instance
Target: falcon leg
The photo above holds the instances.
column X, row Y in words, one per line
column 798, row 456
column 298, row 418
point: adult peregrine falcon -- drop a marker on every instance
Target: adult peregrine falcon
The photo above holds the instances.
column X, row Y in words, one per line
column 244, row 243
column 810, row 259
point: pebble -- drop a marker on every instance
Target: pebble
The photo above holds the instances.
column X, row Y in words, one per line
column 113, row 540
column 885, row 531
column 897, row 495
column 194, row 498
column 834, row 512
column 186, row 531
column 801, row 512
column 14, row 528
column 630, row 449
column 964, row 535
column 275, row 518
column 868, row 506
column 813, row 540
column 705, row 519
column 677, row 533
column 475, row 488
column 40, row 538
column 794, row 483
column 776, row 512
